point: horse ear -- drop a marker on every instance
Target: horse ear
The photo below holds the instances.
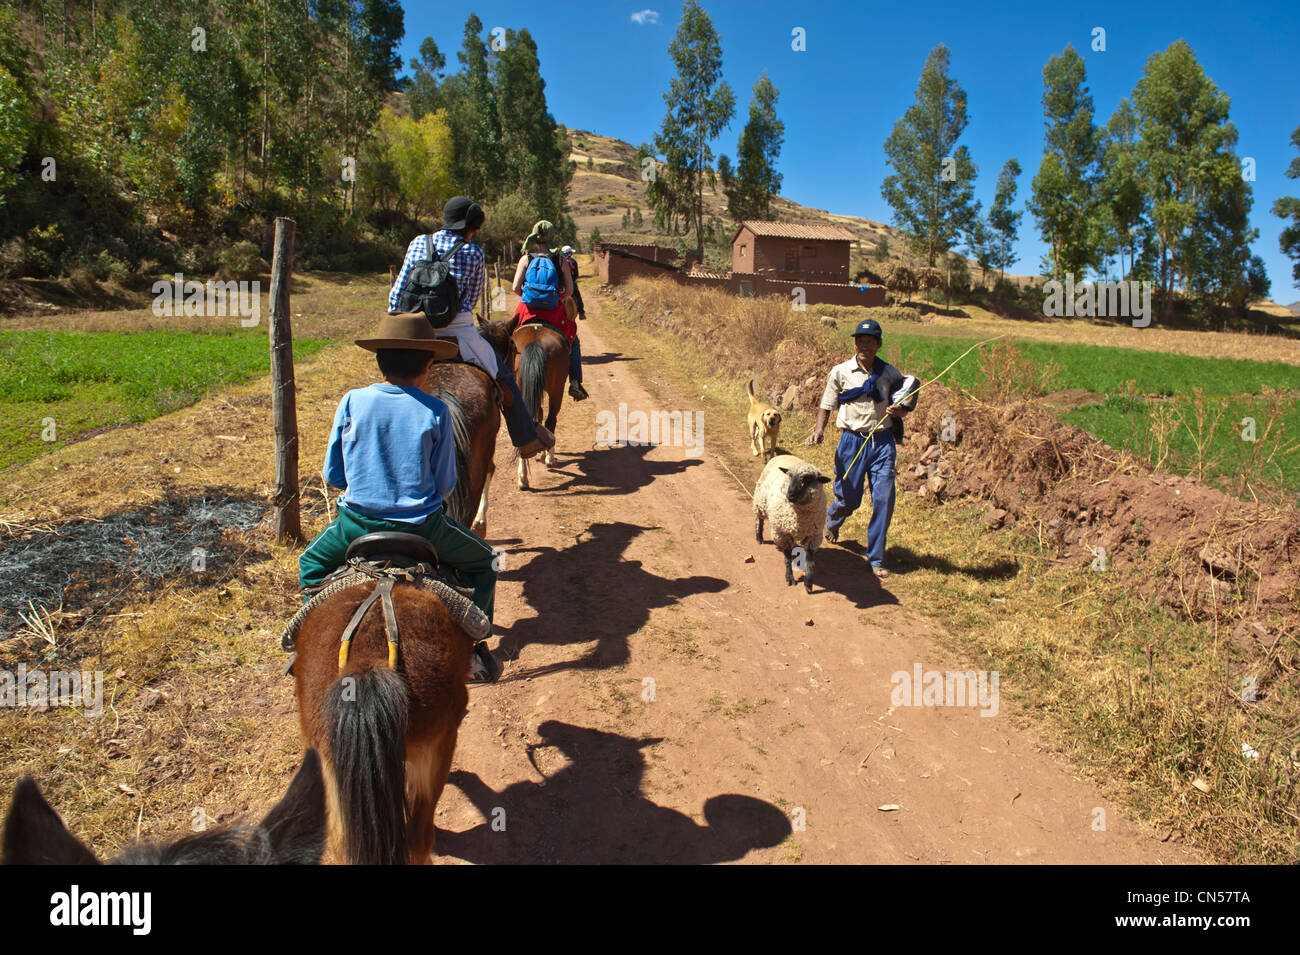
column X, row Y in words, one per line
column 783, row 470
column 35, row 835
column 296, row 826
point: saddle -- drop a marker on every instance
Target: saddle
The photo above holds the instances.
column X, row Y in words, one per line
column 387, row 558
column 504, row 398
column 545, row 324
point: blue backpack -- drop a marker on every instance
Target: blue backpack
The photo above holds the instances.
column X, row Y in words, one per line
column 541, row 282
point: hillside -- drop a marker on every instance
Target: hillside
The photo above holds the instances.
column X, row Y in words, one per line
column 598, row 198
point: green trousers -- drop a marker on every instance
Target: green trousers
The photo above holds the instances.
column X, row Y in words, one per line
column 456, row 545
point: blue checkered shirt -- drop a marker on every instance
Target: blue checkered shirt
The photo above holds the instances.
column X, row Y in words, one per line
column 466, row 266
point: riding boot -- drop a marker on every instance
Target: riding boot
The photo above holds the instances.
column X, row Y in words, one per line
column 530, row 438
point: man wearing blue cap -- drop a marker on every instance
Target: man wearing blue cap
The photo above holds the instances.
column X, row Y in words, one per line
column 865, row 394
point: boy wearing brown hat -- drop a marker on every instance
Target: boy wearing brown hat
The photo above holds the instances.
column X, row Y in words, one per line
column 393, row 453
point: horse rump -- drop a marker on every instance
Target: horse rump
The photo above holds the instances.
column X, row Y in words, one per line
column 367, row 711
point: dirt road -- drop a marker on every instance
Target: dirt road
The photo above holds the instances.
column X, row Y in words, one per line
column 667, row 700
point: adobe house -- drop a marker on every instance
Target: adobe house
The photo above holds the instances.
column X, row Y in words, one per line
column 783, row 250
column 808, row 264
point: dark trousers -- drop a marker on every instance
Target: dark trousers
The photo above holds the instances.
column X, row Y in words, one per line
column 858, row 461
column 518, row 421
column 575, row 361
column 456, row 546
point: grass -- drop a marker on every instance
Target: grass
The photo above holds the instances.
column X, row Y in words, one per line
column 56, row 385
column 1101, row 369
column 1216, row 445
column 1179, row 413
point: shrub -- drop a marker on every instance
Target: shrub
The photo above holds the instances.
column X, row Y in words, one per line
column 242, row 260
column 83, row 281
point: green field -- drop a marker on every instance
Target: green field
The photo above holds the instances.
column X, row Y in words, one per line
column 61, row 385
column 1157, row 416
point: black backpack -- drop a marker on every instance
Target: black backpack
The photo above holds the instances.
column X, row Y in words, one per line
column 431, row 288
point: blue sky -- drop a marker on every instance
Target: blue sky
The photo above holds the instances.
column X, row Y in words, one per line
column 840, row 98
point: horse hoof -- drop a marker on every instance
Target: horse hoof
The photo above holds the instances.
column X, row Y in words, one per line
column 479, row 529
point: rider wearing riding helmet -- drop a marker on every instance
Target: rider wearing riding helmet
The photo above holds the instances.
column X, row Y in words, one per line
column 543, row 278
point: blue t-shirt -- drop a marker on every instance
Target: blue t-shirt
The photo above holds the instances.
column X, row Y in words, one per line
column 393, row 452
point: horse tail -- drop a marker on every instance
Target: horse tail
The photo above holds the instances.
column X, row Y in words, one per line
column 366, row 713
column 458, row 507
column 532, row 377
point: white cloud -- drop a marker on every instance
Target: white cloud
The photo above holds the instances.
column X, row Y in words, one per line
column 642, row 17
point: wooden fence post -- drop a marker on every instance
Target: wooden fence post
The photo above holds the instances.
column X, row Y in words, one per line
column 284, row 405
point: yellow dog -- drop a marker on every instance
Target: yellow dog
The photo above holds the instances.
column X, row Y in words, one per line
column 764, row 425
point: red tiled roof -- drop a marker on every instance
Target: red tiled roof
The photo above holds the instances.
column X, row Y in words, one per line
column 793, row 230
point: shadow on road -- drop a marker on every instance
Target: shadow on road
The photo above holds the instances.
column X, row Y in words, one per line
column 587, row 591
column 904, row 559
column 843, row 569
column 607, row 358
column 619, row 469
column 591, row 810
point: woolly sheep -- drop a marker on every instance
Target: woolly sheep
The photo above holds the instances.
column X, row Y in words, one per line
column 790, row 495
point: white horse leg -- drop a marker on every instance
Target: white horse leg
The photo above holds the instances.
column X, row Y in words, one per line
column 523, row 473
column 480, row 519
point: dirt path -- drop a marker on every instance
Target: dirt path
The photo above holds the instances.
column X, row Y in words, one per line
column 770, row 736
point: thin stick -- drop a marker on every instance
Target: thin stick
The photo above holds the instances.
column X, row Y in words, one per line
column 738, row 480
column 938, row 376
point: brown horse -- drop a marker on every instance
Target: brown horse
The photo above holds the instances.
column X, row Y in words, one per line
column 541, row 364
column 293, row 833
column 470, row 395
column 388, row 734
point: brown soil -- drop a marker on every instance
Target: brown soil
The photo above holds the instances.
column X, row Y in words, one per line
column 1224, row 556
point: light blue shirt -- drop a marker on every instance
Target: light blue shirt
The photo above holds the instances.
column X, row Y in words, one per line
column 393, row 452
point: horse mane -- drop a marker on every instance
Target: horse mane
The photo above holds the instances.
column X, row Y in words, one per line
column 458, row 507
column 497, row 334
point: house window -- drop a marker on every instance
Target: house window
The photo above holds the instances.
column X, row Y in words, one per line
column 810, row 251
column 744, row 250
column 792, row 260
column 746, row 289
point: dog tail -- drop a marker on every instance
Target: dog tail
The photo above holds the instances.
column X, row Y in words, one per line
column 749, row 385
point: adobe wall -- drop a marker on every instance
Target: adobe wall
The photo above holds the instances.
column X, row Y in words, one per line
column 615, row 265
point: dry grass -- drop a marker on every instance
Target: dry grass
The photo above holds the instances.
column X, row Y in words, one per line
column 981, row 323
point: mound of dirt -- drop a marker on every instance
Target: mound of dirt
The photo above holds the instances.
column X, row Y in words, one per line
column 1201, row 551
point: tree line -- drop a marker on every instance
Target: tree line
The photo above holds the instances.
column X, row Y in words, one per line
column 1157, row 193
column 153, row 134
